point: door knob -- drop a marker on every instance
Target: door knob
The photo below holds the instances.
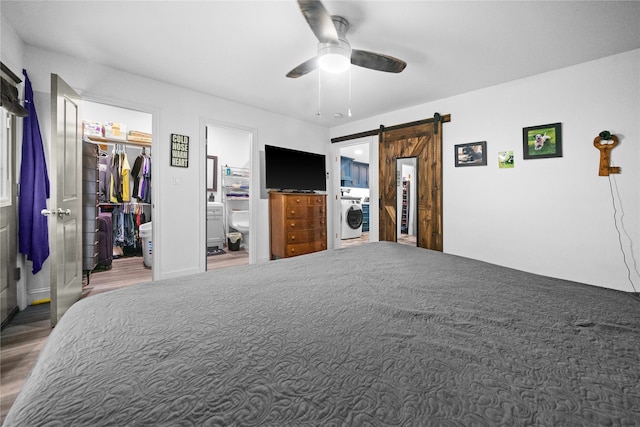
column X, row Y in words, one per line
column 59, row 212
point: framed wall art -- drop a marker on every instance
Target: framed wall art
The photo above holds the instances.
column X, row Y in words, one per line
column 505, row 159
column 471, row 154
column 542, row 142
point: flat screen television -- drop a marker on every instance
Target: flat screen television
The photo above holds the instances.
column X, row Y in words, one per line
column 294, row 170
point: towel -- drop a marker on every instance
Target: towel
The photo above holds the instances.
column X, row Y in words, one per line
column 33, row 227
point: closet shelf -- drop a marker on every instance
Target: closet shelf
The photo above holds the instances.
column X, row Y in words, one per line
column 100, row 139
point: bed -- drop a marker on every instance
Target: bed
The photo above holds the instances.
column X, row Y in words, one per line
column 380, row 334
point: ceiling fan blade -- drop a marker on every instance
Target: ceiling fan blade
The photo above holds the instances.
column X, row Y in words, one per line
column 377, row 61
column 304, row 68
column 319, row 20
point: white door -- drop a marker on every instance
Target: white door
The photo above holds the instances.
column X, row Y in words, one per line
column 65, row 226
column 8, row 279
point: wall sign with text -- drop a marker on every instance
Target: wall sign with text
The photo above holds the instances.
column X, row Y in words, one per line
column 179, row 150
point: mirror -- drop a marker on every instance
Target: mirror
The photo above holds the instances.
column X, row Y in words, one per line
column 212, row 167
column 406, row 209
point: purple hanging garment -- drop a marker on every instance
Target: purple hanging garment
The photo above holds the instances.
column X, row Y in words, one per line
column 33, row 227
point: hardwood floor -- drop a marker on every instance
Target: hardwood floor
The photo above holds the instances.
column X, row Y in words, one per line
column 364, row 238
column 404, row 239
column 20, row 345
column 24, row 337
column 408, row 239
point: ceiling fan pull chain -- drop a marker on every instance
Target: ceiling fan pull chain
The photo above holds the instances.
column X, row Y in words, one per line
column 349, row 110
column 319, row 113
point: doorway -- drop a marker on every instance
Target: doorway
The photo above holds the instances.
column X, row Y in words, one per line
column 8, row 222
column 354, row 214
column 228, row 196
column 124, row 223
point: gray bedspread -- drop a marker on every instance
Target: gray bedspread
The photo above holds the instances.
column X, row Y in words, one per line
column 380, row 334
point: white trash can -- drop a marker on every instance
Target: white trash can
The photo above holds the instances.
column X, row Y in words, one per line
column 147, row 244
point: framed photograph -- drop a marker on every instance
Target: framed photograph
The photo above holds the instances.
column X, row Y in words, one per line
column 471, row 154
column 542, row 142
column 505, row 159
column 212, row 174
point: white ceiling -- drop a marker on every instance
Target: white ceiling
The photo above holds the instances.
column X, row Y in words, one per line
column 242, row 50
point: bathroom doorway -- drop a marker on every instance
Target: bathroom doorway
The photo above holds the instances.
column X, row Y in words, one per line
column 229, row 191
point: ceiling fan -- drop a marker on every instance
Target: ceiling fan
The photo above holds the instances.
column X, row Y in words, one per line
column 334, row 51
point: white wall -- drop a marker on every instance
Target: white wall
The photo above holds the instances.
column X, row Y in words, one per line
column 547, row 216
column 178, row 234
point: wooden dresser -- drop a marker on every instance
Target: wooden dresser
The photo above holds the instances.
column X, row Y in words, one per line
column 297, row 223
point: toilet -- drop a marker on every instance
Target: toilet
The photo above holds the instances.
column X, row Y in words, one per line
column 240, row 221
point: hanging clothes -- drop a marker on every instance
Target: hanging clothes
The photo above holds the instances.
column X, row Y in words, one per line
column 145, row 185
column 125, row 170
column 115, row 181
column 33, row 227
column 135, row 175
column 119, row 185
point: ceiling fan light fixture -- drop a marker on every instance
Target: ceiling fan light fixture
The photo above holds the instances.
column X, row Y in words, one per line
column 334, row 58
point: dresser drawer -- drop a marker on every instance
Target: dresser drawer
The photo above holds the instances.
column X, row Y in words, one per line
column 306, row 224
column 304, row 211
column 306, row 236
column 311, row 200
column 305, row 248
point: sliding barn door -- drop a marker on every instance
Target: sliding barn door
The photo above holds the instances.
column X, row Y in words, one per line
column 425, row 144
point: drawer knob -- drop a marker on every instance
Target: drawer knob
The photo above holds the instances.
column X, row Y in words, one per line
column 293, row 212
column 293, row 224
column 293, row 237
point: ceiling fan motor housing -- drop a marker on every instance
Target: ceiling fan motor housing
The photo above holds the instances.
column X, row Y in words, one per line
column 332, row 57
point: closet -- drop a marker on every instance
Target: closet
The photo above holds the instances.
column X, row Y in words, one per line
column 117, row 196
column 125, row 193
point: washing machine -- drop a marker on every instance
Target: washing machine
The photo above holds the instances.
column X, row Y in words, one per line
column 351, row 218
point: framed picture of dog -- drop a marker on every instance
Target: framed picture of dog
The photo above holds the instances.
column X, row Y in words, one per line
column 542, row 142
column 471, row 154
